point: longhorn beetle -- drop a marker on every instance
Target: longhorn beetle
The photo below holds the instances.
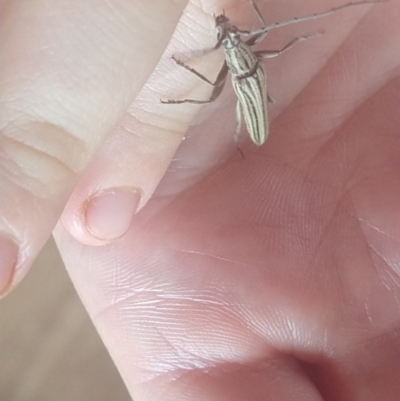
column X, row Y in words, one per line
column 248, row 74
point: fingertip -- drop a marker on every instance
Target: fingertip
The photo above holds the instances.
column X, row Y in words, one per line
column 108, row 214
column 100, row 217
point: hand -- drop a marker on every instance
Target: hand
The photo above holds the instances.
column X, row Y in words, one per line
column 273, row 277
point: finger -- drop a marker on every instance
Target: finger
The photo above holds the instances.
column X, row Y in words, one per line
column 125, row 172
column 69, row 71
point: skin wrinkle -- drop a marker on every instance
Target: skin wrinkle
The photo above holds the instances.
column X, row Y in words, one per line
column 173, row 364
column 115, row 303
column 345, row 71
column 192, row 299
column 212, row 256
column 149, row 123
column 339, row 156
column 207, row 362
column 316, row 248
column 395, row 278
column 52, row 162
column 378, row 271
column 368, row 314
column 370, row 247
column 377, row 229
column 30, row 185
column 369, row 340
column 325, row 228
column 170, row 122
column 239, row 320
column 327, row 141
column 178, row 374
column 131, row 294
column 186, row 352
column 36, row 134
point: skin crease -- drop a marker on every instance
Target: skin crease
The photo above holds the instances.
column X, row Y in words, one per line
column 275, row 277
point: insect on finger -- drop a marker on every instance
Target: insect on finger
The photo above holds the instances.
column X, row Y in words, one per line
column 247, row 72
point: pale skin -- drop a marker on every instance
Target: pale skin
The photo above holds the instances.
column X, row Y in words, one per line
column 275, row 277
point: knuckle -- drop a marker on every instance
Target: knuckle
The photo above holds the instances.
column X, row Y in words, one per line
column 40, row 156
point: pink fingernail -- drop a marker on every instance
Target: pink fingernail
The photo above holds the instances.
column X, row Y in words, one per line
column 8, row 260
column 108, row 214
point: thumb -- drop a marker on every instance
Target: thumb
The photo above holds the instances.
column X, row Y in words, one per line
column 69, row 70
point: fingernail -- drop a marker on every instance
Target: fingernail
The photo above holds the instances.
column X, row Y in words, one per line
column 8, row 260
column 108, row 214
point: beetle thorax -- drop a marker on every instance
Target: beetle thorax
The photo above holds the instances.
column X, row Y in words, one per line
column 231, row 40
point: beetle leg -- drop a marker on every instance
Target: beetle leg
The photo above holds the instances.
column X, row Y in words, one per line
column 275, row 53
column 218, row 85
